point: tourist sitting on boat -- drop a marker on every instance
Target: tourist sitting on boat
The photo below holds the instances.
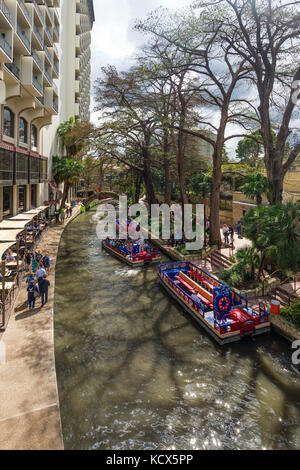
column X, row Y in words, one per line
column 141, row 244
column 10, row 257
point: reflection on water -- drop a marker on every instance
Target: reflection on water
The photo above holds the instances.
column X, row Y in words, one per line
column 134, row 373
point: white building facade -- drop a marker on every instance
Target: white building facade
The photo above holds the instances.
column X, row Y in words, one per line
column 39, row 88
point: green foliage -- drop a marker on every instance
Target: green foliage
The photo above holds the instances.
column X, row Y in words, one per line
column 242, row 274
column 275, row 233
column 255, row 187
column 292, row 313
column 249, row 149
column 201, row 184
column 66, row 170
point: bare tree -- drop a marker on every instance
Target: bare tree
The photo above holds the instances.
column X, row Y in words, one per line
column 266, row 35
column 220, row 70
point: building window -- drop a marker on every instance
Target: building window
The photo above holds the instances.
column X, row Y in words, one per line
column 34, row 136
column 23, row 130
column 34, row 170
column 22, row 168
column 44, row 170
column 6, row 166
column 7, row 201
column 22, row 197
column 33, row 195
column 8, row 123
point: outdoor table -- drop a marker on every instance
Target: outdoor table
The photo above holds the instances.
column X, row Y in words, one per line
column 13, row 264
column 8, row 286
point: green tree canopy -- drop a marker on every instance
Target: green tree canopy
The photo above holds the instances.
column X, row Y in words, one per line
column 255, row 187
column 275, row 233
column 67, row 171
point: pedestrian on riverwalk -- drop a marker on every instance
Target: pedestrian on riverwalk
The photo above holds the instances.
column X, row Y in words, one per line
column 44, row 287
column 33, row 293
column 56, row 216
column 239, row 228
column 40, row 275
column 28, row 257
column 63, row 215
column 226, row 234
column 46, row 263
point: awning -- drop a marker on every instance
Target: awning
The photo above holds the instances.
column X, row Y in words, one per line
column 4, row 247
column 9, row 236
column 24, row 217
column 13, row 225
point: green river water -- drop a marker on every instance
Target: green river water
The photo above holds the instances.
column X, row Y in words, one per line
column 135, row 373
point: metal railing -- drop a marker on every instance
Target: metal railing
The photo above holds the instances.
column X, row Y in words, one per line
column 24, row 10
column 36, row 58
column 13, row 68
column 37, row 9
column 38, row 35
column 38, row 85
column 4, row 44
column 23, row 37
column 5, row 10
column 48, row 54
column 48, row 75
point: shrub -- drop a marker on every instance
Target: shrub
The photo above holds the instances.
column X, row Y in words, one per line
column 292, row 313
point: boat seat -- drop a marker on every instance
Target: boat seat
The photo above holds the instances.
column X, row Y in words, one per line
column 202, row 279
column 185, row 284
column 204, row 293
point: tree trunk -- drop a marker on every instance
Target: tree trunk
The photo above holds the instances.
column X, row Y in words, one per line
column 148, row 179
column 65, row 195
column 215, row 234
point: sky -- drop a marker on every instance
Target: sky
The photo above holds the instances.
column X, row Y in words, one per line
column 113, row 40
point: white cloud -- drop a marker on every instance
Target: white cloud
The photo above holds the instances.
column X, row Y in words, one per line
column 113, row 41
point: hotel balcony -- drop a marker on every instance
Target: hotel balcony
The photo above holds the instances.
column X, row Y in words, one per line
column 6, row 19
column 38, row 60
column 31, row 78
column 23, row 13
column 51, row 101
column 6, row 50
column 38, row 36
column 14, row 70
column 22, row 39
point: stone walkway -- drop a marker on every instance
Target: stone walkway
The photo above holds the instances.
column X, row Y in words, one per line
column 29, row 405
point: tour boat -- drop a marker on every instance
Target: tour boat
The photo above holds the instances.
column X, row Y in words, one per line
column 131, row 255
column 222, row 312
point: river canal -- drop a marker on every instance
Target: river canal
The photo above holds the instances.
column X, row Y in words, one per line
column 135, row 373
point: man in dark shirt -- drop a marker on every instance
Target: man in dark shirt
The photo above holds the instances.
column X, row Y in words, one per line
column 44, row 286
column 32, row 293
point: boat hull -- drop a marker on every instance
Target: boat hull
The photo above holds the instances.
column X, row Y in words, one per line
column 221, row 339
column 134, row 264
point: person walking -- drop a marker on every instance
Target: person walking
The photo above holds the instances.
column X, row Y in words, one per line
column 44, row 287
column 46, row 263
column 38, row 257
column 34, row 264
column 239, row 228
column 28, row 257
column 40, row 275
column 33, row 293
column 231, row 233
column 56, row 213
column 63, row 215
column 226, row 234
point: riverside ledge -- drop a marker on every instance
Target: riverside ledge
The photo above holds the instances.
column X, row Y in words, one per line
column 29, row 403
